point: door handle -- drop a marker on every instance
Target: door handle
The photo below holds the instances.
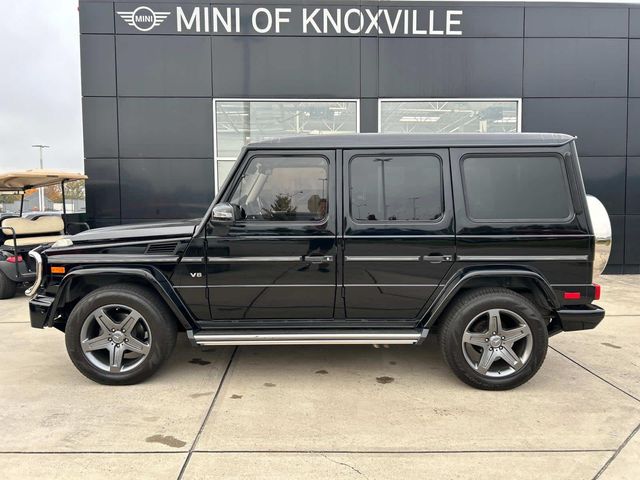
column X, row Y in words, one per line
column 318, row 258
column 437, row 258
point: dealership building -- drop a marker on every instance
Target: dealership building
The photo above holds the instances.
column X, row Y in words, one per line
column 172, row 91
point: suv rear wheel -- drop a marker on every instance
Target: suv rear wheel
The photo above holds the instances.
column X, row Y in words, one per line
column 120, row 335
column 494, row 338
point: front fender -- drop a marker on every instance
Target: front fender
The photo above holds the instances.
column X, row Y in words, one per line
column 465, row 276
column 151, row 276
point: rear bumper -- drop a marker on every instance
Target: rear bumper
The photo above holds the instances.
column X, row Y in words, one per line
column 39, row 307
column 580, row 317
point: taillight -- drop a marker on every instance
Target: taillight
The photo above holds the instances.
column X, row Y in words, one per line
column 14, row 259
column 571, row 295
column 596, row 291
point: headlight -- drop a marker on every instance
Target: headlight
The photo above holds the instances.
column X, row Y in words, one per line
column 63, row 242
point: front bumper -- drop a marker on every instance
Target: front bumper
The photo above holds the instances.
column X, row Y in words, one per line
column 35, row 254
column 39, row 307
column 580, row 317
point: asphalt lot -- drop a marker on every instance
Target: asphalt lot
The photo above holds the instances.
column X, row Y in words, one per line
column 325, row 412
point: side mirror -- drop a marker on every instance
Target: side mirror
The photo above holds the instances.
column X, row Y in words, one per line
column 226, row 213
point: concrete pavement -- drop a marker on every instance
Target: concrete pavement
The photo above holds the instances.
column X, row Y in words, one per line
column 325, row 412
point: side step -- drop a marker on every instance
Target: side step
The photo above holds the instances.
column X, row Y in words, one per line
column 333, row 337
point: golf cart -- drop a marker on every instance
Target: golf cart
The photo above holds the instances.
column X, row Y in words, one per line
column 19, row 235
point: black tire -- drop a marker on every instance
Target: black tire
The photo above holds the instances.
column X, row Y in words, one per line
column 473, row 303
column 7, row 287
column 161, row 323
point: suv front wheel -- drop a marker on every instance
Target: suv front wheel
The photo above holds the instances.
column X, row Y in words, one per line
column 120, row 335
column 494, row 338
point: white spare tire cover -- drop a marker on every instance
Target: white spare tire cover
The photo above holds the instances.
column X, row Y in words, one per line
column 602, row 231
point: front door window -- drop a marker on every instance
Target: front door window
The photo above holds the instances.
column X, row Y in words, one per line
column 284, row 189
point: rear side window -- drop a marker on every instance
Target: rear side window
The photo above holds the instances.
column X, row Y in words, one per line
column 516, row 188
column 396, row 188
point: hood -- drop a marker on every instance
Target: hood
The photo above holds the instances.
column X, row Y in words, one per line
column 138, row 231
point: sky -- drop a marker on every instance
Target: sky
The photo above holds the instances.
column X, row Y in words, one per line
column 40, row 97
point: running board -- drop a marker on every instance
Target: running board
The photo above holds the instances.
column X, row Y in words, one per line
column 344, row 337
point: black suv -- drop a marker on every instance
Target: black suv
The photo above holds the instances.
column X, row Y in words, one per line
column 488, row 240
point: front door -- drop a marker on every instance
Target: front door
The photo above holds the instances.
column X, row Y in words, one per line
column 399, row 235
column 276, row 267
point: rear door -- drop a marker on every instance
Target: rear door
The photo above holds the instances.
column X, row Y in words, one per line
column 398, row 236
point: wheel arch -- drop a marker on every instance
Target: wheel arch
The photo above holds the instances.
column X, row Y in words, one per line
column 517, row 279
column 79, row 282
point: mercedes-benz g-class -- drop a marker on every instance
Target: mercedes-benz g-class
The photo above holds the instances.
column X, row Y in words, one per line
column 487, row 240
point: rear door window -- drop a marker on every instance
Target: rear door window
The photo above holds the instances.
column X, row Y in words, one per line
column 396, row 188
column 515, row 188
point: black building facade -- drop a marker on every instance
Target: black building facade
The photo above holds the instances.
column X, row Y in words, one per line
column 171, row 91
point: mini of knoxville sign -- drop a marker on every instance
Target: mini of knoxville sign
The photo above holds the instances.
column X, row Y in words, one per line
column 298, row 20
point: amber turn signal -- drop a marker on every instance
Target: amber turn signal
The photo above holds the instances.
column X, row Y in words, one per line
column 57, row 269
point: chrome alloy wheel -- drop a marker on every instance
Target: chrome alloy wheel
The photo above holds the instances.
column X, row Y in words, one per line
column 497, row 343
column 115, row 338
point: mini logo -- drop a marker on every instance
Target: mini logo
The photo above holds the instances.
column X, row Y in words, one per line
column 143, row 18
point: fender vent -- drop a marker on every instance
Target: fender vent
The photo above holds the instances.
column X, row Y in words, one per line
column 162, row 248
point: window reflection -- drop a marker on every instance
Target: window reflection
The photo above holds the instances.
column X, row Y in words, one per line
column 392, row 188
column 284, row 189
column 449, row 116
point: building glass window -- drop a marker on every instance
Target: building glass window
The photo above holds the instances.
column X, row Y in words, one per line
column 449, row 116
column 238, row 122
column 395, row 188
